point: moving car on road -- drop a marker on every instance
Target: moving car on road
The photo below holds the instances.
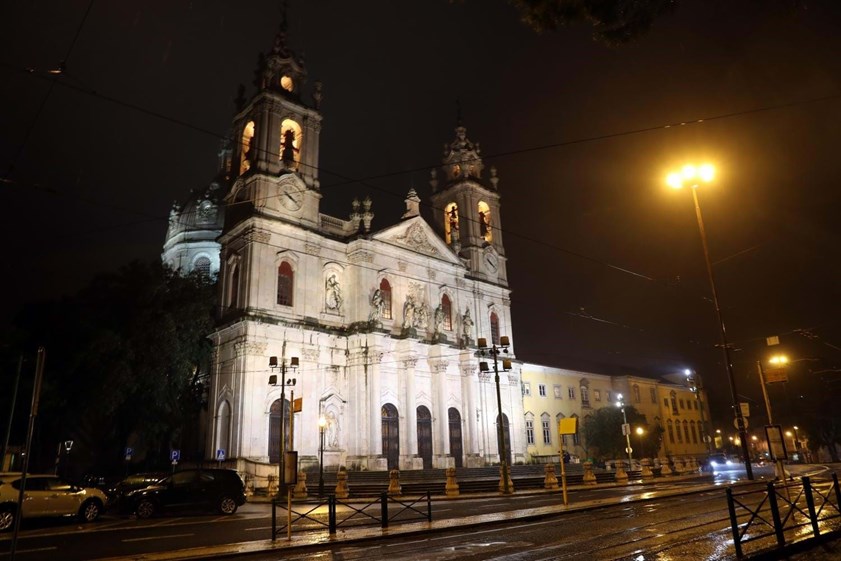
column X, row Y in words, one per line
column 47, row 495
column 191, row 489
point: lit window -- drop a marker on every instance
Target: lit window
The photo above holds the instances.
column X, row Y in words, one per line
column 597, row 395
column 541, row 389
column 385, row 292
column 286, row 83
column 245, row 148
column 585, row 396
column 451, row 223
column 571, row 393
column 285, row 279
column 494, row 328
column 447, row 308
column 547, row 431
column 485, row 230
column 558, row 392
column 529, row 431
column 526, row 388
column 290, row 143
column 202, row 266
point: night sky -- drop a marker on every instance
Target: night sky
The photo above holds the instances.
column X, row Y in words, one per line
column 605, row 261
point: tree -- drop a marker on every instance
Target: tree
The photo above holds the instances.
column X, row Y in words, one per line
column 125, row 359
column 614, row 21
column 602, row 431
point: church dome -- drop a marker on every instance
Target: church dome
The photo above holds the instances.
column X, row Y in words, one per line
column 194, row 226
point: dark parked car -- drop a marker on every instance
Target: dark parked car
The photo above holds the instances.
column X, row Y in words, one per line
column 191, row 489
column 118, row 491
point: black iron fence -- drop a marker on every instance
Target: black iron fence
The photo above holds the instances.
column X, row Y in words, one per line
column 382, row 511
column 783, row 514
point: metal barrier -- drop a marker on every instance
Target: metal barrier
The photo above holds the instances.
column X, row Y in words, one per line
column 373, row 512
column 773, row 512
column 384, row 518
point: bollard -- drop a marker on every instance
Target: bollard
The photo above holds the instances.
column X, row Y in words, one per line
column 300, row 489
column 384, row 509
column 510, row 482
column 678, row 466
column 664, row 467
column 589, row 476
column 394, row 482
column 645, row 470
column 451, row 489
column 342, row 490
column 272, row 485
column 621, row 475
column 549, row 480
column 331, row 514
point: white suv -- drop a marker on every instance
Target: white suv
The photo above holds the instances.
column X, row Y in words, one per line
column 47, row 495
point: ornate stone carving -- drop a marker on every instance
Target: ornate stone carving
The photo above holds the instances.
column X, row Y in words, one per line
column 415, row 309
column 257, row 235
column 439, row 366
column 410, row 362
column 242, row 348
column 310, row 355
column 312, row 248
column 415, row 238
column 361, row 256
column 333, row 295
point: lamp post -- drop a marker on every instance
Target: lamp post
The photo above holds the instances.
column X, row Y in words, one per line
column 640, row 431
column 494, row 352
column 692, row 177
column 779, row 361
column 696, row 387
column 322, row 423
column 283, row 367
column 626, row 430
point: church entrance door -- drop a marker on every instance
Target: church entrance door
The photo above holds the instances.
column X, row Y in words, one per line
column 274, row 429
column 455, row 436
column 425, row 436
column 391, row 435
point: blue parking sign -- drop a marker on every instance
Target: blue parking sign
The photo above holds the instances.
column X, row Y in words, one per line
column 129, row 452
column 175, row 455
column 220, row 455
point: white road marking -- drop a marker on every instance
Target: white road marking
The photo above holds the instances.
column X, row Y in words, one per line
column 157, row 537
column 4, row 554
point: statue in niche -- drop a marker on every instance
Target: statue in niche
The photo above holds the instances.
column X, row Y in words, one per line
column 438, row 320
column 333, row 294
column 421, row 317
column 409, row 312
column 466, row 326
column 377, row 305
column 332, row 429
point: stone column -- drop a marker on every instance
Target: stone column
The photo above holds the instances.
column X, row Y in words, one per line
column 468, row 400
column 439, row 369
column 411, row 414
column 372, row 373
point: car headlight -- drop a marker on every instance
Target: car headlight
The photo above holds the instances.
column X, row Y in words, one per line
column 713, row 463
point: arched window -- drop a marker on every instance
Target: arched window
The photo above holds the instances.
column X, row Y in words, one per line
column 290, row 143
column 223, row 427
column 202, row 266
column 694, row 433
column 385, row 291
column 670, row 427
column 679, row 434
column 558, row 418
column 494, row 328
column 485, row 230
column 233, row 289
column 246, row 152
column 686, row 431
column 447, row 308
column 451, row 223
column 285, row 284
column 529, row 428
column 636, row 392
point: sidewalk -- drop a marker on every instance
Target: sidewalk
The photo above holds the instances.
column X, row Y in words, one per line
column 306, row 539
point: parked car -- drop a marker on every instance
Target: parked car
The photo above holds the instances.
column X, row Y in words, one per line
column 117, row 492
column 191, row 489
column 47, row 495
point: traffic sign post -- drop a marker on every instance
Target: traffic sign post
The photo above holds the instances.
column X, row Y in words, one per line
column 174, row 455
column 220, row 456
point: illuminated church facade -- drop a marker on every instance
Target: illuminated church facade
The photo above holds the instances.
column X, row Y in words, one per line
column 384, row 324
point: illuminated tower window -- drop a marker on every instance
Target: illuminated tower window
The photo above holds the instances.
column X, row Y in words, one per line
column 385, row 292
column 494, row 328
column 485, row 222
column 286, row 83
column 285, row 284
column 290, row 143
column 246, row 156
column 451, row 223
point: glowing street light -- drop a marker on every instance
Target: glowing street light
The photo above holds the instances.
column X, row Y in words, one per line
column 693, row 176
column 626, row 430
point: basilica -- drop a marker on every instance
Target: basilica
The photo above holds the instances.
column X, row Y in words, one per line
column 373, row 332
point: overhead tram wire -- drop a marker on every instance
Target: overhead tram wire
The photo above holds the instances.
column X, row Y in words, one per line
column 364, row 181
column 55, row 75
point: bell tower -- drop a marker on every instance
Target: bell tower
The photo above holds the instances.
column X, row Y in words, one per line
column 276, row 141
column 466, row 208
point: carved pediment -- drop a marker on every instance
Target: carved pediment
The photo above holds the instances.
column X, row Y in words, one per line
column 416, row 235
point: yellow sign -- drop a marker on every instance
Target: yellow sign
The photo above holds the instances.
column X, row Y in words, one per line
column 775, row 375
column 568, row 425
column 298, row 405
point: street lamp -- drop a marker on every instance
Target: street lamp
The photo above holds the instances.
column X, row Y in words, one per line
column 322, row 423
column 696, row 387
column 626, row 430
column 282, row 366
column 640, row 431
column 692, row 176
column 494, row 352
